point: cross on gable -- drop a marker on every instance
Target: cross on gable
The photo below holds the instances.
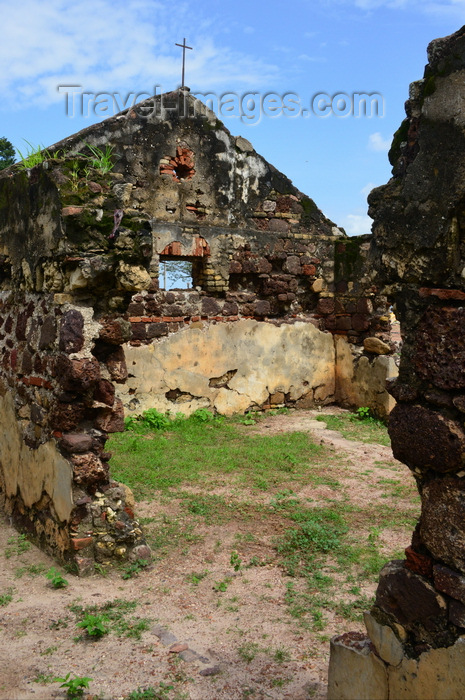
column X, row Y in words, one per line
column 183, row 47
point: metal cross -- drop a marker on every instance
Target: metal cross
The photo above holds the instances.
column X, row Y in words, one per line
column 183, row 47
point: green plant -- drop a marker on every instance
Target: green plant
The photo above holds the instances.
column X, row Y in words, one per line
column 16, row 545
column 7, row 597
column 195, row 578
column 281, row 655
column 56, row 579
column 222, row 586
column 74, row 686
column 235, row 560
column 95, row 625
column 30, row 569
column 44, row 678
column 49, row 651
column 34, row 156
column 248, row 651
column 101, row 159
column 134, row 569
column 149, row 420
column 363, row 413
column 161, row 693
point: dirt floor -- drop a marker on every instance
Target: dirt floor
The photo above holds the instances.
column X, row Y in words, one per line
column 201, row 642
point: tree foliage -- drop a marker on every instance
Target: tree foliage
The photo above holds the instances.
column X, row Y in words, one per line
column 7, row 153
column 176, row 274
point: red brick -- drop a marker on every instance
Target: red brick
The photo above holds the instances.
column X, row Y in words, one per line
column 71, row 211
column 442, row 293
column 81, row 542
column 419, row 563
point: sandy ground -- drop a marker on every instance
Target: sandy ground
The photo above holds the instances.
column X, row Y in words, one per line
column 219, row 631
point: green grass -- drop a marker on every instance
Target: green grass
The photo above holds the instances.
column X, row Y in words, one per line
column 114, row 616
column 353, row 427
column 266, row 483
column 207, row 452
column 16, row 545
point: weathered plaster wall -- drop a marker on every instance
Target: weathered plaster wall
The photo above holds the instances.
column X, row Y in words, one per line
column 416, row 629
column 231, row 367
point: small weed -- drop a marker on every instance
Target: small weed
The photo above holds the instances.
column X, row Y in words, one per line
column 235, row 560
column 44, row 678
column 101, row 570
column 281, row 655
column 30, row 570
column 110, row 617
column 17, row 545
column 7, row 597
column 222, row 586
column 34, row 156
column 363, row 413
column 96, row 626
column 61, row 623
column 248, row 651
column 56, row 579
column 49, row 651
column 134, row 569
column 74, row 686
column 279, row 682
column 195, row 578
column 161, row 693
column 101, row 159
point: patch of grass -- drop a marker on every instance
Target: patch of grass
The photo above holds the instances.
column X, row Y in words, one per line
column 30, row 570
column 165, row 533
column 194, row 451
column 195, row 577
column 134, row 569
column 248, row 651
column 281, row 655
column 350, row 426
column 7, row 597
column 114, row 616
column 353, row 610
column 16, row 545
column 44, row 678
column 33, row 156
column 49, row 651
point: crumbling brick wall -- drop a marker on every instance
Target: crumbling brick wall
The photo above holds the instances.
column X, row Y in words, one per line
column 414, row 647
column 86, row 332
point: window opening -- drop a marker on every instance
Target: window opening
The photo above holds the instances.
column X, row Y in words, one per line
column 176, row 273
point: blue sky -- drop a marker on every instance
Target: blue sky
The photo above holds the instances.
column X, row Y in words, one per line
column 307, row 48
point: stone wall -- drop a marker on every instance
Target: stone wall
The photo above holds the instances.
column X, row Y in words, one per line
column 416, row 629
column 87, row 333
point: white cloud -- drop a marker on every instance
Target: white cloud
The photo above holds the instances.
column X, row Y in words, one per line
column 357, row 224
column 367, row 189
column 377, row 143
column 452, row 9
column 312, row 59
column 110, row 45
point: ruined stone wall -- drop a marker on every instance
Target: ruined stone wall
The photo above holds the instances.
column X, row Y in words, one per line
column 87, row 334
column 416, row 629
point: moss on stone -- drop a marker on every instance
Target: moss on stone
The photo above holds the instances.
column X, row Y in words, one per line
column 399, row 137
